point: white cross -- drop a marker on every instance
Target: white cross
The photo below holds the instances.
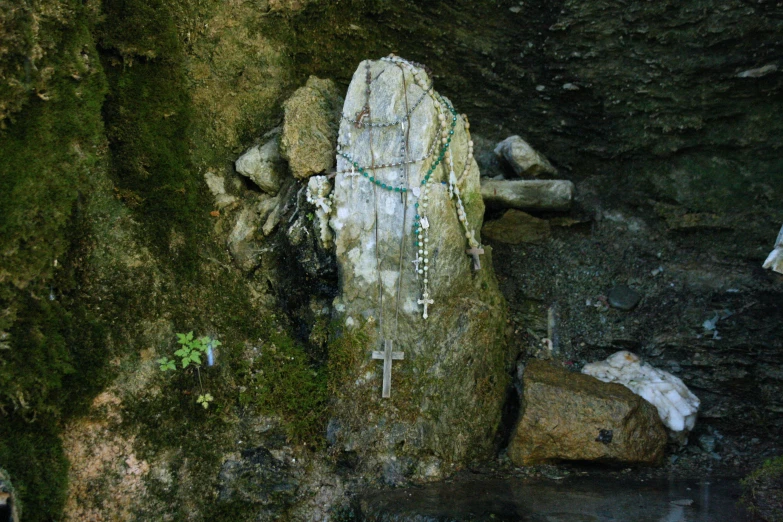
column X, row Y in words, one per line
column 353, row 174
column 425, row 223
column 425, row 300
column 387, row 355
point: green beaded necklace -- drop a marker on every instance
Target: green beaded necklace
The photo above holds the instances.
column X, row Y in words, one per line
column 444, row 147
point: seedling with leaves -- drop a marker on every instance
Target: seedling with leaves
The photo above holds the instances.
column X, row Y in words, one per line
column 190, row 353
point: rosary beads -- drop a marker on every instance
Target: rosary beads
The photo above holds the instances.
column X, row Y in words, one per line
column 420, row 189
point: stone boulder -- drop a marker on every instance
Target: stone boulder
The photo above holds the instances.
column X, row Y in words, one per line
column 310, row 128
column 525, row 160
column 447, row 376
column 516, row 227
column 534, row 194
column 263, row 165
column 571, row 416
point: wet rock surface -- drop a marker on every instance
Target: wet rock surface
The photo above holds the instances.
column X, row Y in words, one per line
column 257, row 477
column 567, row 499
column 569, row 416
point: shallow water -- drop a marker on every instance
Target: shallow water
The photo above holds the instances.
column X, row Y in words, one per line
column 576, row 499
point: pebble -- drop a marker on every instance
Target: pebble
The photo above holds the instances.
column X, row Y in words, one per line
column 623, row 297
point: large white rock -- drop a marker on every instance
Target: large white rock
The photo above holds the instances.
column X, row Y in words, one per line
column 677, row 406
column 447, row 392
column 774, row 260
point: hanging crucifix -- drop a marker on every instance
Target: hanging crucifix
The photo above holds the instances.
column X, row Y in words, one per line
column 387, row 355
column 475, row 252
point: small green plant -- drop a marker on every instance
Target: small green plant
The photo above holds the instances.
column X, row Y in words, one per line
column 190, row 354
column 204, row 400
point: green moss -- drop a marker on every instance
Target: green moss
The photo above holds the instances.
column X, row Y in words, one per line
column 285, row 382
column 47, row 155
column 147, row 115
column 33, row 456
column 52, row 358
column 763, row 490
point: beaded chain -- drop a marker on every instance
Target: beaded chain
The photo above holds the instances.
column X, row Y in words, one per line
column 443, row 149
column 447, row 120
column 359, row 123
column 385, row 165
column 421, row 223
column 454, row 181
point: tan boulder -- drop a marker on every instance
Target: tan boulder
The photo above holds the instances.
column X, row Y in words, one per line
column 312, row 115
column 517, row 227
column 570, row 416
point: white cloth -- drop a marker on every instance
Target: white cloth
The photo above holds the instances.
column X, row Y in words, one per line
column 676, row 405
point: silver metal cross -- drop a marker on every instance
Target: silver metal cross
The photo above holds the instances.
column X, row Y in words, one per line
column 475, row 252
column 425, row 300
column 387, row 355
column 416, row 264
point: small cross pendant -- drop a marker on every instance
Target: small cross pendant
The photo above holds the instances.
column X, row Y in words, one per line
column 387, row 355
column 475, row 252
column 425, row 300
column 416, row 264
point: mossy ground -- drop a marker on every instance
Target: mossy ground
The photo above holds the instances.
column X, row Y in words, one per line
column 763, row 491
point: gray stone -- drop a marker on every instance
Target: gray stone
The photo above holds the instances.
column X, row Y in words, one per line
column 623, row 297
column 522, row 157
column 252, row 221
column 759, row 71
column 258, row 478
column 263, row 165
column 310, row 128
column 570, row 416
column 217, row 186
column 447, row 392
column 528, row 194
column 517, row 227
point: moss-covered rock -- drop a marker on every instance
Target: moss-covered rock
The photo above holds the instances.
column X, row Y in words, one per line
column 763, row 493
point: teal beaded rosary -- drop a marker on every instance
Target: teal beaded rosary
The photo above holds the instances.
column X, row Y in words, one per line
column 447, row 117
